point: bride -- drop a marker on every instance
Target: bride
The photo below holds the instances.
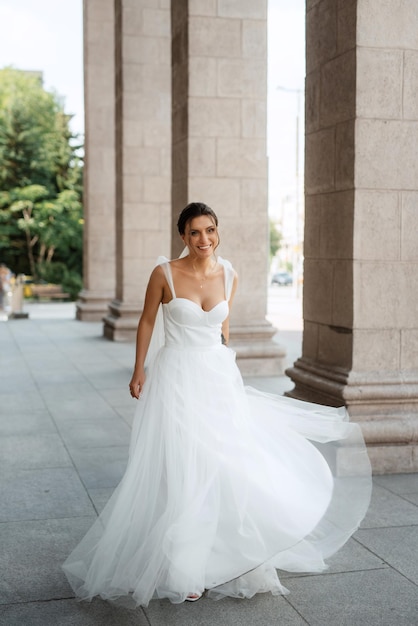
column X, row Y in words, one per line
column 224, row 484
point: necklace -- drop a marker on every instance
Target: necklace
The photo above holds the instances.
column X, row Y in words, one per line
column 202, row 279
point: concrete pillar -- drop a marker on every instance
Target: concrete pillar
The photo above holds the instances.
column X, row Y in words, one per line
column 219, row 151
column 99, row 170
column 143, row 151
column 360, row 344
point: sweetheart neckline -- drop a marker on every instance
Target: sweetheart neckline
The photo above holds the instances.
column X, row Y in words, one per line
column 196, row 304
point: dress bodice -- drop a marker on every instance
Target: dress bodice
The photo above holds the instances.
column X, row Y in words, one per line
column 186, row 324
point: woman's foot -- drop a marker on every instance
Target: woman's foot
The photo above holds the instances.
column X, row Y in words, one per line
column 192, row 597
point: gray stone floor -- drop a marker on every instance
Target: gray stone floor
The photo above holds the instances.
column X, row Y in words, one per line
column 65, row 415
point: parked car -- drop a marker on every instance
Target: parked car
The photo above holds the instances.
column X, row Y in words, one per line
column 282, row 279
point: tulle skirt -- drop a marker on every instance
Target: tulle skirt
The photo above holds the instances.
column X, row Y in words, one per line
column 224, row 485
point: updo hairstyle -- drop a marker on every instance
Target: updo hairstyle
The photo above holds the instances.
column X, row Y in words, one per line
column 192, row 210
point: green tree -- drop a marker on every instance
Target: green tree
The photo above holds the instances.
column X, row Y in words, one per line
column 275, row 238
column 40, row 183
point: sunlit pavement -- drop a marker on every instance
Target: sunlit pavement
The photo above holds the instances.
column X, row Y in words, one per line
column 65, row 415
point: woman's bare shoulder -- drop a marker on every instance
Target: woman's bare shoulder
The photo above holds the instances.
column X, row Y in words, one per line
column 179, row 262
column 157, row 275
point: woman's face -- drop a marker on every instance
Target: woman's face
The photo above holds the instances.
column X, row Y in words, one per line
column 201, row 236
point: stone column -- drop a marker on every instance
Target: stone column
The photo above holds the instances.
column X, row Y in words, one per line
column 143, row 170
column 219, row 151
column 360, row 344
column 99, row 169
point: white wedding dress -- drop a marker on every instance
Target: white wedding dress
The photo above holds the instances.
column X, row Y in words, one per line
column 224, row 484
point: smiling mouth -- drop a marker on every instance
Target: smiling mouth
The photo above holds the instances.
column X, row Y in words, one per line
column 204, row 247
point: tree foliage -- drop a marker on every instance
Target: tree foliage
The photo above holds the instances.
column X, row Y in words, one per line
column 40, row 183
column 275, row 239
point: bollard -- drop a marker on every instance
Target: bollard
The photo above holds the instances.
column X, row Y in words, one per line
column 17, row 298
column 11, row 295
column 5, row 292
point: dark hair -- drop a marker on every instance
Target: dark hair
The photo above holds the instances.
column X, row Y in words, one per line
column 192, row 210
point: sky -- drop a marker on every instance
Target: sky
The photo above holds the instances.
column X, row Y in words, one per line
column 47, row 35
column 285, row 101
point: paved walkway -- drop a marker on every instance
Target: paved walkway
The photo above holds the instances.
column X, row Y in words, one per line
column 65, row 416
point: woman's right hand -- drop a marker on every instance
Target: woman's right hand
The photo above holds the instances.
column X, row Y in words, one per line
column 137, row 383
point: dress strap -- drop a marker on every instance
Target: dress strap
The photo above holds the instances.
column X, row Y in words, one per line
column 167, row 272
column 229, row 276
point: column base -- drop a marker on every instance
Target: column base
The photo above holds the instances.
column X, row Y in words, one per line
column 121, row 321
column 384, row 404
column 92, row 305
column 316, row 383
column 401, row 459
column 257, row 353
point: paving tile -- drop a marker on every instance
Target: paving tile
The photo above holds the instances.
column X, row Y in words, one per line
column 48, row 376
column 64, row 391
column 70, row 613
column 96, row 433
column 36, row 421
column 276, row 384
column 42, row 494
column 102, row 364
column 110, row 379
column 397, row 546
column 31, row 556
column 350, row 558
column 33, row 451
column 127, row 413
column 399, row 483
column 12, row 402
column 373, row 598
column 27, row 334
column 11, row 360
column 39, row 351
column 411, row 497
column 123, row 353
column 100, row 497
column 83, row 353
column 76, row 405
column 388, row 509
column 13, row 370
column 118, row 396
column 46, row 354
column 98, row 357
column 100, row 467
column 50, row 311
column 262, row 610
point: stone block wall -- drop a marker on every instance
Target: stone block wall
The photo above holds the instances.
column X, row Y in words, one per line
column 219, row 131
column 143, row 154
column 361, row 270
column 329, row 182
column 219, row 89
column 99, row 172
column 143, row 163
column 386, row 173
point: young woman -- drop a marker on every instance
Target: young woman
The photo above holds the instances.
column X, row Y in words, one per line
column 224, row 484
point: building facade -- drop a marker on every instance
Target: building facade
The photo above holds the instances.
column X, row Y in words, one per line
column 175, row 102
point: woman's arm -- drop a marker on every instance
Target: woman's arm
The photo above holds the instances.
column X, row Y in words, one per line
column 225, row 324
column 153, row 296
